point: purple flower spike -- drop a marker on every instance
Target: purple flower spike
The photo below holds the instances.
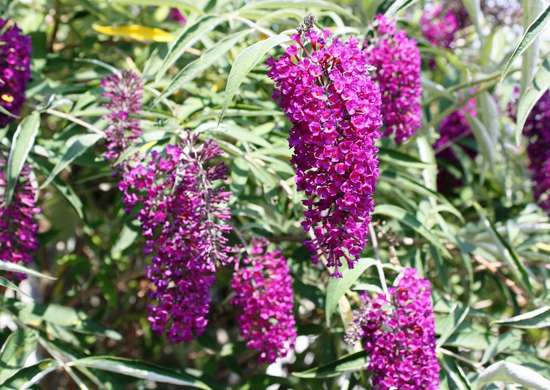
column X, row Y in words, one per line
column 263, row 295
column 441, row 22
column 184, row 218
column 15, row 69
column 397, row 61
column 326, row 92
column 398, row 334
column 18, row 227
column 124, row 94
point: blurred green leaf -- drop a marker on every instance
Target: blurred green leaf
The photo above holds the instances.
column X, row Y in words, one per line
column 353, row 362
column 536, row 319
column 14, row 267
column 508, row 372
column 15, row 351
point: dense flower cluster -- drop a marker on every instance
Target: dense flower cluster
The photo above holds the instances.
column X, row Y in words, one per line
column 396, row 59
column 15, row 69
column 398, row 333
column 440, row 22
column 537, row 130
column 325, row 90
column 177, row 16
column 263, row 295
column 453, row 128
column 183, row 217
column 18, row 227
column 124, row 94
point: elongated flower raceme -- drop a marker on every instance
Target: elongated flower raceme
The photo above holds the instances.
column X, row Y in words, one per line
column 264, row 298
column 398, row 334
column 18, row 227
column 15, row 69
column 452, row 129
column 440, row 22
column 537, row 130
column 396, row 59
column 123, row 92
column 325, row 90
column 184, row 217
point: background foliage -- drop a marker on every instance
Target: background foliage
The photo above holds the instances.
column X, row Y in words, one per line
column 484, row 244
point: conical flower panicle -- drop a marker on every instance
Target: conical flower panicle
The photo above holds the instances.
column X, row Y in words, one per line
column 325, row 90
column 183, row 217
column 396, row 60
column 440, row 22
column 18, row 227
column 123, row 92
column 398, row 334
column 264, row 298
column 15, row 69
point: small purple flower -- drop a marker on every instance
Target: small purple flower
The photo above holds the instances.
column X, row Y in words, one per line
column 440, row 22
column 324, row 87
column 177, row 16
column 398, row 334
column 264, row 298
column 124, row 94
column 18, row 227
column 183, row 216
column 15, row 69
column 396, row 59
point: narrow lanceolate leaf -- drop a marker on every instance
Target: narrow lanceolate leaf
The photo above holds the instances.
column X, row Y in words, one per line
column 353, row 362
column 245, row 62
column 296, row 4
column 15, row 351
column 337, row 287
column 188, row 5
column 75, row 147
column 13, row 267
column 26, row 377
column 512, row 373
column 483, row 139
column 188, row 37
column 490, row 115
column 539, row 318
column 23, row 141
column 209, row 57
column 398, row 6
column 531, row 95
column 139, row 369
column 532, row 32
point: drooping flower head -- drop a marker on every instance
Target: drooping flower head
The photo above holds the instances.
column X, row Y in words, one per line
column 15, row 69
column 324, row 87
column 18, row 227
column 264, row 298
column 537, row 131
column 183, row 217
column 398, row 334
column 177, row 16
column 396, row 59
column 440, row 22
column 123, row 92
column 452, row 129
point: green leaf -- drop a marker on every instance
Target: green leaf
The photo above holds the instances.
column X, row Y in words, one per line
column 139, row 369
column 6, row 283
column 76, row 146
column 23, row 141
column 532, row 32
column 188, row 37
column 452, row 322
column 353, row 362
column 508, row 372
column 209, row 57
column 13, row 267
column 245, row 62
column 398, row 6
column 394, row 156
column 536, row 319
column 455, row 377
column 490, row 115
column 337, row 287
column 185, row 4
column 483, row 139
column 299, row 4
column 531, row 95
column 240, row 170
column 15, row 351
column 28, row 376
column 411, row 221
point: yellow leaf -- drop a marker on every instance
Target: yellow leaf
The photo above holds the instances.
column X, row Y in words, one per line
column 135, row 31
